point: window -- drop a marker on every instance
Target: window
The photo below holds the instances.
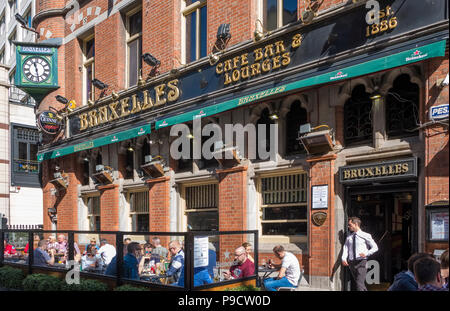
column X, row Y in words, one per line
column 27, row 17
column 294, row 118
column 195, row 16
column 265, row 120
column 2, row 56
column 202, row 207
column 358, row 117
column 88, row 74
column 25, row 168
column 402, row 108
column 93, row 204
column 134, row 47
column 284, row 205
column 277, row 13
column 129, row 166
column 12, row 46
column 2, row 25
column 139, row 211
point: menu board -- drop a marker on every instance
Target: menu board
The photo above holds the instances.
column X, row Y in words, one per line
column 320, row 197
column 201, row 252
column 439, row 225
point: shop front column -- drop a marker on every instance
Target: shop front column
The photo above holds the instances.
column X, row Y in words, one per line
column 159, row 206
column 321, row 231
column 109, row 207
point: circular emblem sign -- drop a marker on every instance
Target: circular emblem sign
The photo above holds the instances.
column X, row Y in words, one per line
column 319, row 218
column 49, row 123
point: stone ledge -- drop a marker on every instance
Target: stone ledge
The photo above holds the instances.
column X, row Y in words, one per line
column 297, row 249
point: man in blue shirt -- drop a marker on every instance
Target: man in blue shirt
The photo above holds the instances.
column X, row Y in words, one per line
column 41, row 258
column 130, row 262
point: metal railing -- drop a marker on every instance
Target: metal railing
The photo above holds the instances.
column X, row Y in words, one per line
column 229, row 239
column 16, row 95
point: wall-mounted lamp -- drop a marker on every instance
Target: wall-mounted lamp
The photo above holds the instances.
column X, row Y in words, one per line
column 154, row 166
column 23, row 23
column 273, row 116
column 104, row 174
column 62, row 99
column 99, row 84
column 312, row 6
column 213, row 59
column 315, row 142
column 130, row 148
column 150, row 60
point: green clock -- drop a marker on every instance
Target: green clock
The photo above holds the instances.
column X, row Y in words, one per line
column 36, row 68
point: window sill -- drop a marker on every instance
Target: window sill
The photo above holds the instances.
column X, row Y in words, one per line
column 294, row 248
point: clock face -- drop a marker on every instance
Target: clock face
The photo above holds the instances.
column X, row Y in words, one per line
column 36, row 69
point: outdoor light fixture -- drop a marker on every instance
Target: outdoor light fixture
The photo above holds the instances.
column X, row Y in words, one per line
column 99, row 84
column 375, row 95
column 149, row 59
column 223, row 32
column 61, row 180
column 154, row 166
column 103, row 175
column 23, row 22
column 315, row 142
column 130, row 149
column 213, row 59
column 273, row 116
column 114, row 95
column 312, row 6
column 62, row 99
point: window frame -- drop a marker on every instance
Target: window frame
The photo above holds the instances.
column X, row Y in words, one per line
column 26, row 178
column 86, row 200
column 185, row 11
column 129, row 198
column 88, row 62
column 129, row 40
column 282, row 238
column 280, row 8
column 184, row 204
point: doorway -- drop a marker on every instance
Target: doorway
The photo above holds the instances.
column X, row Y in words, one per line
column 389, row 216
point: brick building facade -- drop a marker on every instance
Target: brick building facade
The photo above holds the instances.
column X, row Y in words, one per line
column 371, row 80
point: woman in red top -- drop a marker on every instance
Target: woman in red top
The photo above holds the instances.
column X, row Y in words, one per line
column 8, row 248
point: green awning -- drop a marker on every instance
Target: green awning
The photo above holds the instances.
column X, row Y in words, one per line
column 410, row 56
column 98, row 142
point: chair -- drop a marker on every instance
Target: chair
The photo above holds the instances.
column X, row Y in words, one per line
column 291, row 289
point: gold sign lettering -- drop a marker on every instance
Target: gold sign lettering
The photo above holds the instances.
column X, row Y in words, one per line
column 375, row 171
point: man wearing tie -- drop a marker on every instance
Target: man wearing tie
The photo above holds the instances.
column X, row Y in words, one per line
column 358, row 246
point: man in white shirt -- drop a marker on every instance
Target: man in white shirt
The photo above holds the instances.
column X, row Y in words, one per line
column 289, row 273
column 358, row 246
column 106, row 251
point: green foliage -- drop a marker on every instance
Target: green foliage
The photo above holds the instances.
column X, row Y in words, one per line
column 128, row 288
column 41, row 282
column 85, row 286
column 243, row 288
column 11, row 277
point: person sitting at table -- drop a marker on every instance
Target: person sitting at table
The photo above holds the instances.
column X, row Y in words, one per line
column 158, row 248
column 130, row 262
column 52, row 244
column 177, row 262
column 242, row 267
column 149, row 261
column 91, row 260
column 41, row 257
column 201, row 277
column 62, row 247
column 106, row 251
column 289, row 273
column 92, row 242
column 8, row 248
column 248, row 250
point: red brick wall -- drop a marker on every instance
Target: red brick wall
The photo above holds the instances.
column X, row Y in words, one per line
column 436, row 140
column 159, row 206
column 321, row 239
column 109, row 207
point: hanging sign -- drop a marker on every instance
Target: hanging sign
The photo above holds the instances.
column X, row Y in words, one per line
column 49, row 123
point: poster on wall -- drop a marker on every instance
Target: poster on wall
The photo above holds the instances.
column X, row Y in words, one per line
column 439, row 225
column 201, row 252
column 319, row 196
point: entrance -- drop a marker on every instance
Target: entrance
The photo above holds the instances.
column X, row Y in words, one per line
column 390, row 217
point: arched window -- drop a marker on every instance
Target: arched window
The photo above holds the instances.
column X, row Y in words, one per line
column 263, row 120
column 402, row 108
column 294, row 118
column 358, row 117
column 98, row 160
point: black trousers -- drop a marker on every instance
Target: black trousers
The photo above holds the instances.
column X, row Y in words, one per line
column 358, row 272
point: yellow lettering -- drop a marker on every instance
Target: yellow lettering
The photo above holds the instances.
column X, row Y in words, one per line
column 361, row 172
column 354, row 174
column 93, row 118
column 276, row 62
column 227, row 66
column 159, row 92
column 405, row 167
column 391, row 169
column 174, row 92
column 227, row 79
column 148, row 102
column 398, row 168
column 258, row 54
column 83, row 121
column 297, row 40
column 136, row 105
column 112, row 108
column 236, row 61
column 236, row 75
column 103, row 114
column 286, row 59
column 125, row 107
column 244, row 60
column 279, row 45
column 255, row 69
column 245, row 72
column 219, row 68
column 346, row 174
column 266, row 65
column 268, row 51
column 377, row 171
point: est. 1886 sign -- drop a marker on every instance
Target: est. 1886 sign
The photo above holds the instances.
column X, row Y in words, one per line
column 37, row 72
column 48, row 122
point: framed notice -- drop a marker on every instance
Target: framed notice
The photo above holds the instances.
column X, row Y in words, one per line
column 319, row 197
column 437, row 224
column 201, row 252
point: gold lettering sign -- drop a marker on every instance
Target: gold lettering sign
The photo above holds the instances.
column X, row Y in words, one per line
column 375, row 171
column 265, row 59
column 387, row 21
column 130, row 105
